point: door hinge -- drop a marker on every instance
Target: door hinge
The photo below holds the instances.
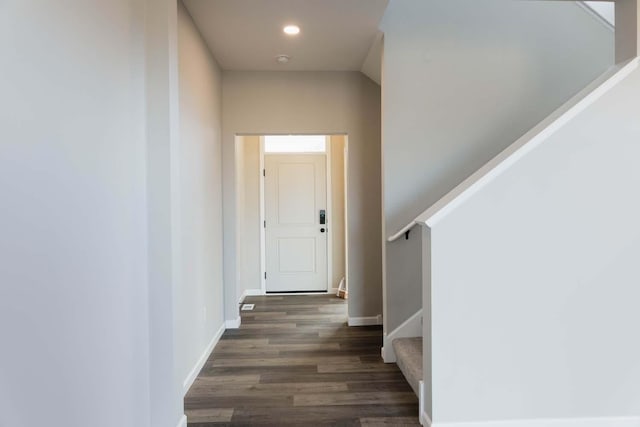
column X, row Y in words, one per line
column 265, row 224
column 264, row 172
column 265, row 275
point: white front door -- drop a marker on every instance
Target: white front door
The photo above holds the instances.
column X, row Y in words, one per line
column 296, row 241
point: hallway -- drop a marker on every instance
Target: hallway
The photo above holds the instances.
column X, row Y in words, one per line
column 295, row 362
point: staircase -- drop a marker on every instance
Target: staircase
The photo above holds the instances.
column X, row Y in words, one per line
column 523, row 267
column 409, row 359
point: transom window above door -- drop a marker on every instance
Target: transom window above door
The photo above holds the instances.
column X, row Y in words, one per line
column 295, row 144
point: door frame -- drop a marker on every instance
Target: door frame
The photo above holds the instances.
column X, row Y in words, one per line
column 330, row 235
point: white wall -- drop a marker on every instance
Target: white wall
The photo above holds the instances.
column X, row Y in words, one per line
column 313, row 103
column 163, row 231
column 535, row 280
column 90, row 306
column 74, row 316
column 199, row 295
column 461, row 81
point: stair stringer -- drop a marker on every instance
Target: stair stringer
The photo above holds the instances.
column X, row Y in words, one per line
column 410, row 328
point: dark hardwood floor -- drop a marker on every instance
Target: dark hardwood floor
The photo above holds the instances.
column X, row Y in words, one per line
column 294, row 362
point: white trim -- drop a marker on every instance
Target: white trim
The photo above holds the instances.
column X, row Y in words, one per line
column 558, row 422
column 233, row 323
column 383, row 217
column 425, row 419
column 387, row 353
column 263, row 217
column 239, row 208
column 188, row 382
column 250, row 293
column 412, row 327
column 365, row 321
column 329, row 211
column 345, row 193
column 532, row 139
column 182, row 422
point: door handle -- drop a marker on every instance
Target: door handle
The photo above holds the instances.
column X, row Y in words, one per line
column 323, row 217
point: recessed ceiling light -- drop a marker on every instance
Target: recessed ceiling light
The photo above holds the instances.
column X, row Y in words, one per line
column 283, row 59
column 291, row 30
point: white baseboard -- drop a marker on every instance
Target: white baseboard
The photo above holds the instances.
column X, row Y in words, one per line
column 183, row 421
column 412, row 327
column 563, row 422
column 233, row 324
column 188, row 382
column 387, row 353
column 250, row 293
column 366, row 321
column 425, row 420
column 333, row 291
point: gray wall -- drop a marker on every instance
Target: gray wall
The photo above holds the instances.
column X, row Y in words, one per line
column 535, row 280
column 462, row 80
column 199, row 297
column 248, row 225
column 313, row 103
column 74, row 317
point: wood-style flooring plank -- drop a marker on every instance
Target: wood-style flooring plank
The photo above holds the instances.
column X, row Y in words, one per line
column 243, row 390
column 225, row 381
column 210, row 415
column 386, row 422
column 355, row 398
column 248, row 370
column 295, row 362
column 326, row 368
column 285, row 361
column 366, row 377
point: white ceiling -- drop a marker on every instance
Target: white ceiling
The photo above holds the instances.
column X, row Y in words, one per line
column 247, row 34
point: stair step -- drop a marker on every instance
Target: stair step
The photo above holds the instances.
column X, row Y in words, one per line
column 409, row 359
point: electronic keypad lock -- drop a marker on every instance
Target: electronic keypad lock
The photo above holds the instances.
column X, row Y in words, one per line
column 323, row 217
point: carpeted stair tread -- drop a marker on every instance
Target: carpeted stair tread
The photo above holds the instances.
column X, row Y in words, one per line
column 409, row 359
